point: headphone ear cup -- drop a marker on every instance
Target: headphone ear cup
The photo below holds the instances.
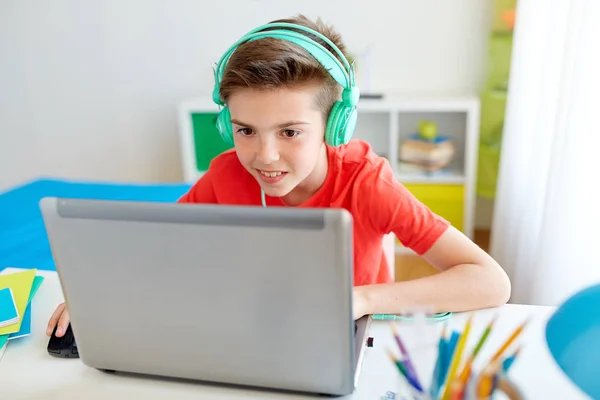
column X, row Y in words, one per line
column 224, row 126
column 340, row 125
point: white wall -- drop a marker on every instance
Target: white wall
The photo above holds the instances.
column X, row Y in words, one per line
column 89, row 89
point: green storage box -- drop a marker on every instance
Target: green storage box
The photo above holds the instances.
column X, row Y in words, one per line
column 207, row 140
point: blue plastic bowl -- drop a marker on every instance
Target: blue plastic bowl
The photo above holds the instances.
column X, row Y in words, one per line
column 573, row 338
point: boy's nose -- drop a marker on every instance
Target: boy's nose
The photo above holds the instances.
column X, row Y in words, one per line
column 267, row 153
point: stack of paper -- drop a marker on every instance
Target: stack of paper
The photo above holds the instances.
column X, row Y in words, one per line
column 22, row 286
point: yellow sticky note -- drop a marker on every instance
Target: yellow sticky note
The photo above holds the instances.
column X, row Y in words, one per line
column 20, row 283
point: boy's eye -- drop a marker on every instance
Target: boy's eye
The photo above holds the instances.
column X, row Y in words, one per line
column 290, row 133
column 245, row 131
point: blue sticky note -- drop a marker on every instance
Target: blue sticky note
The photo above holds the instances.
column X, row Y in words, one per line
column 9, row 313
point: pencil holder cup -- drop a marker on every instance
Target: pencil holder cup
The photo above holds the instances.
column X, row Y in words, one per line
column 505, row 389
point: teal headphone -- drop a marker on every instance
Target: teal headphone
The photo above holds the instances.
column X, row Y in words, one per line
column 343, row 115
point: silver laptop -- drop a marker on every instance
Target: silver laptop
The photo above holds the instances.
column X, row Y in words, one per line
column 228, row 294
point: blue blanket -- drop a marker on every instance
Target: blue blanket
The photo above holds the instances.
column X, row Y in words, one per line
column 23, row 240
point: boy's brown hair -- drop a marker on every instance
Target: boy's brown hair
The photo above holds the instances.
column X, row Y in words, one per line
column 271, row 63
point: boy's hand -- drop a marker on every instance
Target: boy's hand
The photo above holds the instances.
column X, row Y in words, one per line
column 60, row 317
column 359, row 302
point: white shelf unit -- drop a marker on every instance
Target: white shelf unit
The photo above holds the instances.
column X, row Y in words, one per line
column 384, row 123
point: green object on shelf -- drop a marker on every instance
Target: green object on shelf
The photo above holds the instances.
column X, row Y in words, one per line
column 428, row 130
column 207, row 141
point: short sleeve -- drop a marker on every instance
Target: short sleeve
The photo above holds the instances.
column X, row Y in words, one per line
column 393, row 208
column 201, row 192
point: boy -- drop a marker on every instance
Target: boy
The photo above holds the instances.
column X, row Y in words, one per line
column 290, row 132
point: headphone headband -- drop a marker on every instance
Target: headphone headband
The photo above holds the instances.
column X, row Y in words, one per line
column 343, row 114
column 342, row 72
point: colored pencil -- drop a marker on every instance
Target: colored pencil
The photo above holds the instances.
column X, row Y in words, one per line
column 437, row 379
column 408, row 363
column 485, row 386
column 448, row 355
column 457, row 356
column 466, row 372
column 413, row 382
column 403, row 371
column 458, row 391
column 487, row 377
column 508, row 361
column 509, row 341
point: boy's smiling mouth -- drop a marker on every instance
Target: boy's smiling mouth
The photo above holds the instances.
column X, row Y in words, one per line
column 271, row 176
column 271, row 173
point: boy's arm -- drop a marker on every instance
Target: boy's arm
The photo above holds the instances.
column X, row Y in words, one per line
column 469, row 278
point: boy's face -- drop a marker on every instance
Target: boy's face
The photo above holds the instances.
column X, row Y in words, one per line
column 279, row 139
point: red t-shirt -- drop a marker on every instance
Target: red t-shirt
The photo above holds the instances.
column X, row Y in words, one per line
column 359, row 181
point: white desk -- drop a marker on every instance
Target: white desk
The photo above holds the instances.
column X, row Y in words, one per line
column 28, row 372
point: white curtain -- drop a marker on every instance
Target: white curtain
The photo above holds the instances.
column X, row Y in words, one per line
column 546, row 224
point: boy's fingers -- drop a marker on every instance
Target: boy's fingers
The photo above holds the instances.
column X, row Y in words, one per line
column 63, row 322
column 54, row 318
